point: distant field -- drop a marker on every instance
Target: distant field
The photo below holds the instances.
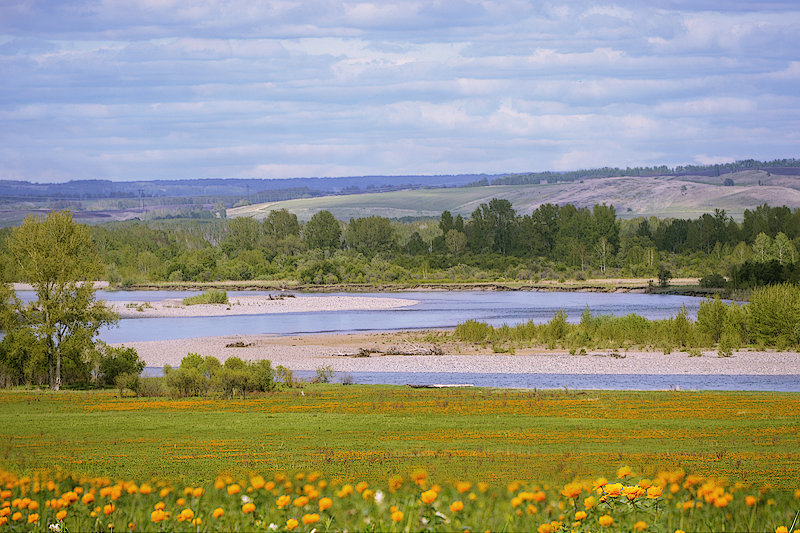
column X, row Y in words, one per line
column 657, row 196
column 375, row 432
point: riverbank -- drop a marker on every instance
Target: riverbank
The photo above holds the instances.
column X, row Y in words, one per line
column 256, row 305
column 685, row 286
column 409, row 352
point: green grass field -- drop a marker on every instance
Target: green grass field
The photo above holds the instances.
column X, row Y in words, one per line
column 375, row 432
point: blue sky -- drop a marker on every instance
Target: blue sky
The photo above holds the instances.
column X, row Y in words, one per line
column 150, row 89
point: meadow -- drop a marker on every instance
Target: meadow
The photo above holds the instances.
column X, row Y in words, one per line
column 511, row 444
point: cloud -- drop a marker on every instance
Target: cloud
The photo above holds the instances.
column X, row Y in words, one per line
column 176, row 88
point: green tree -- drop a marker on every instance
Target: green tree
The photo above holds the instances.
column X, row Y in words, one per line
column 57, row 257
column 280, row 224
column 371, row 235
column 322, row 231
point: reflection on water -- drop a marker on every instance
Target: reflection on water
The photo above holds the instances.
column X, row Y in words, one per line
column 434, row 310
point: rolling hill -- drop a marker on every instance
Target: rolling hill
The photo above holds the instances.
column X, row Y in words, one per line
column 662, row 196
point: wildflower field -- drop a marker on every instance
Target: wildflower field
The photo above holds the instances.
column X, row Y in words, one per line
column 401, row 459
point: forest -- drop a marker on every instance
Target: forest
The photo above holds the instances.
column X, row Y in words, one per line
column 494, row 243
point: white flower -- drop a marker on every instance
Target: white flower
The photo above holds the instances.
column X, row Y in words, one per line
column 379, row 497
column 55, row 527
column 273, row 527
column 246, row 499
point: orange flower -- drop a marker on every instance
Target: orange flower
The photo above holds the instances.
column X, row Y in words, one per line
column 362, row 486
column 186, row 515
column 198, row 492
column 654, row 492
column 605, row 520
column 33, row 518
column 623, row 472
column 61, row 515
column 157, row 516
column 310, row 518
column 300, row 501
column 291, row 524
column 428, row 497
column 88, row 498
column 580, row 515
column 234, row 489
column 456, row 506
column 248, row 508
column 641, row 525
column 397, row 516
column 613, row 490
column 257, row 482
column 463, row 486
column 33, row 506
column 325, row 503
column 108, row 508
column 218, row 512
column 145, row 489
column 16, row 516
column 750, row 501
column 572, row 490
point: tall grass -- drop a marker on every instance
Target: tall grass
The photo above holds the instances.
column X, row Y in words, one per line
column 211, row 296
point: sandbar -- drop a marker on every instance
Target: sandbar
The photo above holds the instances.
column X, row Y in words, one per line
column 256, row 305
column 340, row 351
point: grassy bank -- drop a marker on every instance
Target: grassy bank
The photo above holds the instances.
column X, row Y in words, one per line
column 376, row 432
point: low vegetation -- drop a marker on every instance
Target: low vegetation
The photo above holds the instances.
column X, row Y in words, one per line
column 769, row 320
column 670, row 501
column 211, row 296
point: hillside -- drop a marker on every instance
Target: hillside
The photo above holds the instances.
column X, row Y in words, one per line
column 664, row 196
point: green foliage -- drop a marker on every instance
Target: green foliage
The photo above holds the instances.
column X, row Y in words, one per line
column 323, row 374
column 198, row 375
column 371, row 235
column 713, row 281
column 322, row 231
column 211, row 296
column 115, row 361
column 59, row 259
column 775, row 315
column 128, row 381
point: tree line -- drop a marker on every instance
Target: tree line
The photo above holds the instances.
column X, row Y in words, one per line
column 495, row 242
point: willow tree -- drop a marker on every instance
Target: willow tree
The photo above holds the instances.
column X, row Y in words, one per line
column 58, row 258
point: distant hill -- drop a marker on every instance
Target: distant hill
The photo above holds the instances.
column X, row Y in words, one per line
column 663, row 196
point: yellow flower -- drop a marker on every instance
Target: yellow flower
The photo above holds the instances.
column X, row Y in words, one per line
column 197, row 492
column 33, row 506
column 544, row 528
column 463, row 486
column 108, row 508
column 33, row 518
column 456, row 506
column 325, row 503
column 605, row 520
column 590, row 502
column 61, row 515
column 428, row 497
column 580, row 515
column 623, row 472
column 145, row 490
column 257, row 482
column 234, row 489
column 572, row 490
column 283, row 501
column 197, row 521
column 641, row 525
column 397, row 516
column 300, row 501
column 186, row 515
column 613, row 490
column 248, row 508
column 654, row 492
column 782, row 529
column 310, row 518
column 88, row 498
column 157, row 516
column 750, row 501
column 291, row 524
column 16, row 516
column 362, row 486
column 218, row 512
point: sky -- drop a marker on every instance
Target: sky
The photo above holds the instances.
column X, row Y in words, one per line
column 171, row 89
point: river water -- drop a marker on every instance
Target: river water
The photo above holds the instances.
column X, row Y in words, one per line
column 445, row 310
column 434, row 310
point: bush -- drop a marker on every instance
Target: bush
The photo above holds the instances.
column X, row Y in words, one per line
column 713, row 281
column 115, row 361
column 711, row 318
column 128, row 381
column 151, row 387
column 324, row 374
column 285, row 375
column 211, row 296
column 262, row 375
column 775, row 315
